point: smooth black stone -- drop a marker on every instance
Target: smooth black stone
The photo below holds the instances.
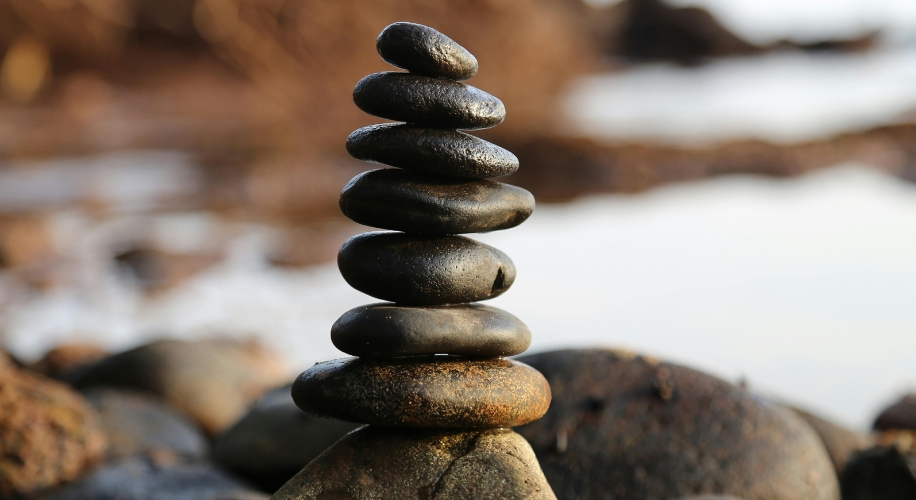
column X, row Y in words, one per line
column 396, row 199
column 430, row 151
column 424, row 51
column 430, row 102
column 387, row 330
column 424, row 270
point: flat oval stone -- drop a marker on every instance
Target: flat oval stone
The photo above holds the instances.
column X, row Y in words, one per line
column 429, row 102
column 430, row 391
column 424, row 270
column 424, row 51
column 396, row 199
column 387, row 330
column 430, row 151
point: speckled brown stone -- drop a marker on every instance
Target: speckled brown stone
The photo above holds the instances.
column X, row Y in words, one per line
column 382, row 464
column 424, row 270
column 430, row 391
column 430, row 151
column 391, row 198
column 429, row 102
column 387, row 330
column 423, row 50
column 641, row 428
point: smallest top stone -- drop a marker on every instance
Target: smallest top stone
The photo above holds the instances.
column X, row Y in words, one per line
column 424, row 51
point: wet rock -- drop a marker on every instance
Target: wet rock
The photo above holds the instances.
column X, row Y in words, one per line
column 644, row 429
column 839, row 441
column 422, row 464
column 879, row 473
column 424, row 270
column 48, row 433
column 430, row 151
column 386, row 330
column 62, row 361
column 141, row 479
column 395, row 199
column 434, row 391
column 424, row 51
column 429, row 102
column 213, row 381
column 275, row 440
column 140, row 424
column 901, row 415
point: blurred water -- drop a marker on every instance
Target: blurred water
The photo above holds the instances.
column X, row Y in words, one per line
column 803, row 287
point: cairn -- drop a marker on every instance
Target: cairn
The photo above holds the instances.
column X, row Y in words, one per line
column 429, row 374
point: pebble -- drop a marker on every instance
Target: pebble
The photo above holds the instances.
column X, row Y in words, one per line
column 841, row 443
column 431, row 151
column 429, row 102
column 642, row 429
column 425, row 51
column 879, row 473
column 424, row 270
column 899, row 416
column 422, row 464
column 433, row 391
column 387, row 330
column 396, row 199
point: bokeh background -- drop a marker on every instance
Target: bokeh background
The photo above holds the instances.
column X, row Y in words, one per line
column 726, row 184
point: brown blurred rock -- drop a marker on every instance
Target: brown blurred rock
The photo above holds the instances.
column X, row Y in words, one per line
column 641, row 429
column 899, row 416
column 213, row 381
column 48, row 434
column 840, row 442
column 155, row 269
column 67, row 358
column 422, row 464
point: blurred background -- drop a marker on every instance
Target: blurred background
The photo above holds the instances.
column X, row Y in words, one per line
column 727, row 184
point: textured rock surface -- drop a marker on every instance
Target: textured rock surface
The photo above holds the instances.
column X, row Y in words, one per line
column 636, row 428
column 424, row 270
column 425, row 51
column 840, row 442
column 880, row 473
column 429, row 102
column 386, row 330
column 48, row 433
column 141, row 479
column 424, row 392
column 431, row 151
column 395, row 199
column 275, row 440
column 140, row 424
column 374, row 463
column 212, row 381
column 900, row 415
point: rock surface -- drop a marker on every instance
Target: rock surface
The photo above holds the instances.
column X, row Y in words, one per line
column 841, row 443
column 425, row 51
column 395, row 199
column 141, row 479
column 441, row 392
column 428, row 102
column 431, row 151
column 374, row 463
column 424, row 270
column 140, row 424
column 213, row 381
column 275, row 440
column 63, row 361
column 901, row 415
column 387, row 330
column 641, row 429
column 879, row 473
column 48, row 433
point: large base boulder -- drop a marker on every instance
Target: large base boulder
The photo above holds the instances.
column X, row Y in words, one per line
column 383, row 463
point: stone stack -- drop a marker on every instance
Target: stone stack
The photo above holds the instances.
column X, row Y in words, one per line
column 429, row 375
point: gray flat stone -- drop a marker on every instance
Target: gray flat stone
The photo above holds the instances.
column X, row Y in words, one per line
column 378, row 463
column 424, row 270
column 424, row 391
column 387, row 330
column 392, row 198
column 430, row 151
column 429, row 102
column 424, row 51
